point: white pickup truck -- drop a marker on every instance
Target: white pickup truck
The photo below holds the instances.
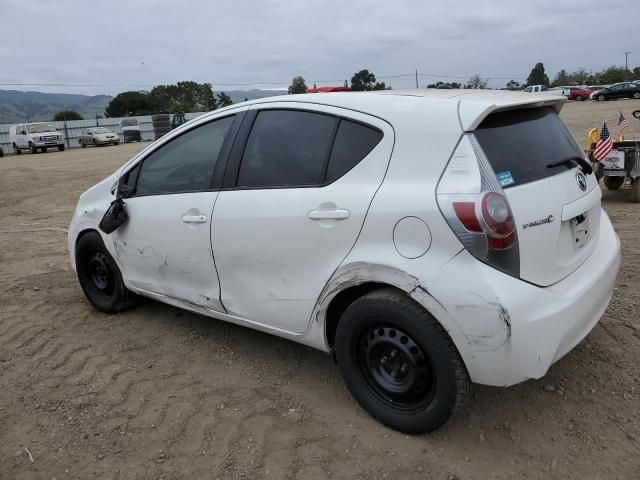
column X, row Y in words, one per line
column 551, row 91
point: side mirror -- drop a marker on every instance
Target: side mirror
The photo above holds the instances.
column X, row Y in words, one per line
column 124, row 190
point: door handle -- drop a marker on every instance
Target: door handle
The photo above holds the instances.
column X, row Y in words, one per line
column 335, row 214
column 194, row 218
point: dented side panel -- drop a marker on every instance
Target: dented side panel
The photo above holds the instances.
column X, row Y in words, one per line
column 163, row 254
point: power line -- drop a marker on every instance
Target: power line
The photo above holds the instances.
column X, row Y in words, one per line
column 239, row 84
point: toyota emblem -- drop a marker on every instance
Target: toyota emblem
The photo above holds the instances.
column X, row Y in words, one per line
column 582, row 181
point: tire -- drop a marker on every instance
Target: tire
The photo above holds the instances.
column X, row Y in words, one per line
column 1, row 152
column 579, row 98
column 636, row 113
column 636, row 95
column 61, row 148
column 83, row 145
column 428, row 381
column 100, row 277
column 600, row 98
column 159, row 132
column 635, row 190
column 43, row 149
column 613, row 183
column 17, row 150
column 33, row 148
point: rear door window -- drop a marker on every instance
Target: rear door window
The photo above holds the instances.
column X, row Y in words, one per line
column 353, row 142
column 520, row 144
column 287, row 148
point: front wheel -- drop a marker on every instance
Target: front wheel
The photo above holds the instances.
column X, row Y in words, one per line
column 100, row 277
column 17, row 150
column 636, row 95
column 33, row 148
column 43, row 149
column 399, row 363
column 61, row 148
column 579, row 98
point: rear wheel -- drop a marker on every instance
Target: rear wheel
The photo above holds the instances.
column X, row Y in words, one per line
column 613, row 183
column 636, row 95
column 399, row 363
column 100, row 277
column 600, row 98
column 33, row 148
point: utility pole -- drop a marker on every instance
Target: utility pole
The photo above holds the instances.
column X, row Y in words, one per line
column 416, row 78
column 626, row 65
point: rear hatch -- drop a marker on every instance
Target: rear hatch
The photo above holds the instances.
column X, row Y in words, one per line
column 556, row 207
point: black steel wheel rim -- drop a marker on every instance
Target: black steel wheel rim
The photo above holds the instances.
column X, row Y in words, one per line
column 101, row 274
column 396, row 368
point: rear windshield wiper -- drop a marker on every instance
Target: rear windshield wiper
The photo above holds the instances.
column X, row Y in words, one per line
column 577, row 160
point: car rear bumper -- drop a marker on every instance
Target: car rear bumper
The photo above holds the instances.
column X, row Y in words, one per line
column 508, row 330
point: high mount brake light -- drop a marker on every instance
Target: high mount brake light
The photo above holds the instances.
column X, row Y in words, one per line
column 476, row 208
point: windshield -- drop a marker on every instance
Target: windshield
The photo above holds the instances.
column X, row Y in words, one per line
column 100, row 130
column 40, row 128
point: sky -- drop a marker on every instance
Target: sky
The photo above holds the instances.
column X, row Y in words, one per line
column 112, row 46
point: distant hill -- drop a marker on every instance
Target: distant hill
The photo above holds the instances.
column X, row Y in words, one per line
column 16, row 106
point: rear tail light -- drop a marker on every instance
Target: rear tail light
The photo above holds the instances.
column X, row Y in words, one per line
column 476, row 209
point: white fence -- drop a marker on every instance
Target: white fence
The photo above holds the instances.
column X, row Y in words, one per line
column 71, row 130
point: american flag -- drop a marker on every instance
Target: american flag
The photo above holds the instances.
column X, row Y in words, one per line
column 622, row 124
column 604, row 145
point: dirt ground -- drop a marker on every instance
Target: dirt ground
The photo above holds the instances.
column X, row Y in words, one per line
column 161, row 393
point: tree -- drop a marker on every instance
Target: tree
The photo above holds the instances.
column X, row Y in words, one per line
column 365, row 80
column 183, row 97
column 129, row 103
column 297, row 85
column 513, row 85
column 476, row 82
column 561, row 79
column 67, row 115
column 537, row 76
column 224, row 100
column 579, row 76
column 612, row 75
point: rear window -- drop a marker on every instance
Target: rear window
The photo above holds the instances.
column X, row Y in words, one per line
column 520, row 144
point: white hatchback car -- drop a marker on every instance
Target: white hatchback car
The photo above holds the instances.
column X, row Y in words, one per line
column 428, row 239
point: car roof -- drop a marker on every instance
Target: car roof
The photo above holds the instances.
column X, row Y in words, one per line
column 473, row 105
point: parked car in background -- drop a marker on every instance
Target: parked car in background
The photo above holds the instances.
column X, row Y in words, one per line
column 35, row 136
column 316, row 218
column 130, row 130
column 579, row 94
column 618, row 90
column 564, row 91
column 98, row 136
